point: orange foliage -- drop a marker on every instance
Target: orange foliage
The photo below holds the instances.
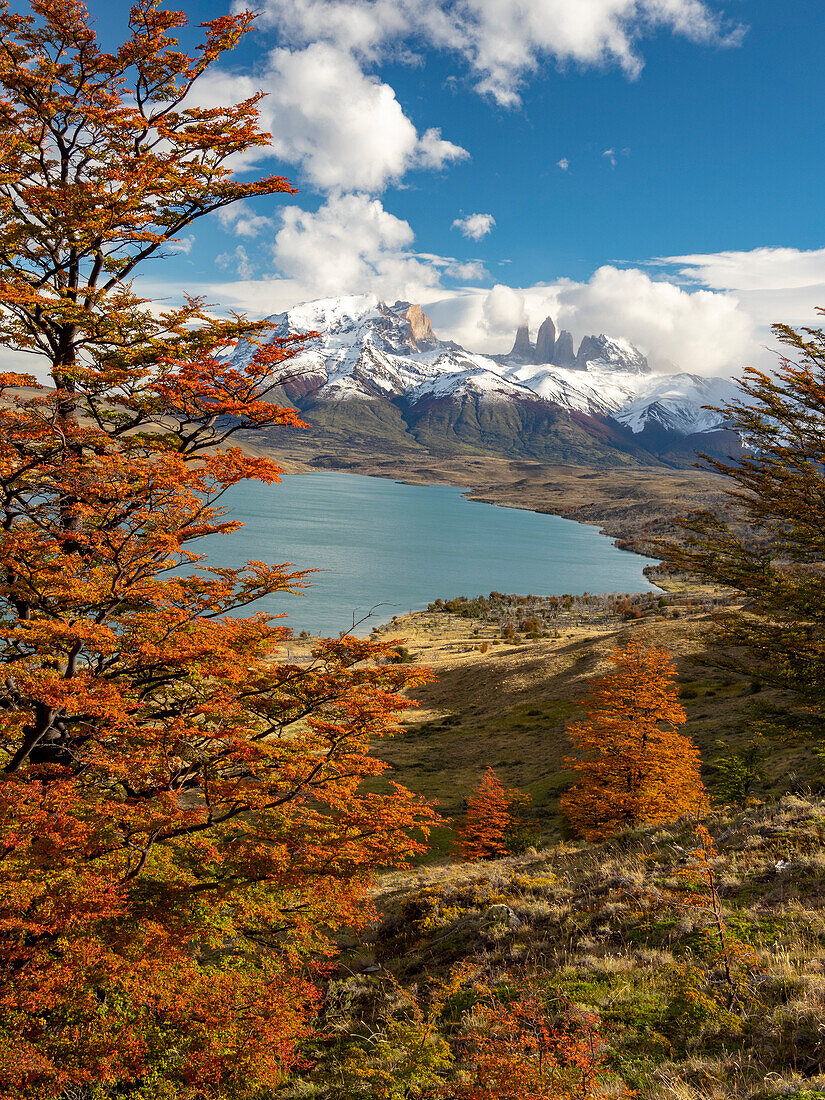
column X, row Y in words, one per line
column 521, row 1051
column 182, row 818
column 632, row 765
column 489, row 820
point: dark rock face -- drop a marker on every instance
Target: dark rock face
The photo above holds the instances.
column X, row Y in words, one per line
column 591, row 347
column 522, row 346
column 546, row 341
column 563, row 355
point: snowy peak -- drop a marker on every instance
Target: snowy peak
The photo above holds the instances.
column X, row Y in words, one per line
column 678, row 403
column 368, row 350
column 602, row 353
column 360, row 320
column 595, row 352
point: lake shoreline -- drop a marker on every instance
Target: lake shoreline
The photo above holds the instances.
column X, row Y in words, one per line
column 383, row 545
column 633, row 505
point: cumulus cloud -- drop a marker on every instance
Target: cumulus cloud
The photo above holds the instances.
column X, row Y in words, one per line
column 699, row 330
column 502, row 311
column 433, row 151
column 564, row 164
column 343, row 127
column 771, row 284
column 351, row 245
column 501, row 41
column 474, row 226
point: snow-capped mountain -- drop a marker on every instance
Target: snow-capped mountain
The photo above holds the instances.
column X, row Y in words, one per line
column 386, row 360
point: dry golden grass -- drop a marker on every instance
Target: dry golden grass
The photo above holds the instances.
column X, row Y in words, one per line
column 509, row 708
column 606, row 928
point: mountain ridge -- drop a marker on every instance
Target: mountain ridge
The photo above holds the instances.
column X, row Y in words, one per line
column 378, row 370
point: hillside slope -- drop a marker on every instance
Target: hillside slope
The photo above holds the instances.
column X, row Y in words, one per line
column 508, row 707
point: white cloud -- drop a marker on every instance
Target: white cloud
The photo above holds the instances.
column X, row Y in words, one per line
column 502, row 311
column 351, row 245
column 699, row 330
column 238, row 261
column 502, row 41
column 474, row 226
column 242, row 220
column 613, row 155
column 758, row 269
column 466, row 271
column 182, row 245
column 564, row 164
column 771, row 284
column 344, row 128
column 434, row 152
column 470, row 271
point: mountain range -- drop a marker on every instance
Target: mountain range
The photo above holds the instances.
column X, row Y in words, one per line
column 376, row 375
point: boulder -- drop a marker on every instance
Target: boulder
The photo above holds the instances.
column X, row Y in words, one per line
column 501, row 914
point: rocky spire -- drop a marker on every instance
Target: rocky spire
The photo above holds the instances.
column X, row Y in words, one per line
column 546, row 341
column 563, row 355
column 522, row 346
column 421, row 331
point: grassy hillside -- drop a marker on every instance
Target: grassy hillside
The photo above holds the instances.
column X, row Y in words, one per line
column 701, row 980
column 508, row 707
column 611, row 928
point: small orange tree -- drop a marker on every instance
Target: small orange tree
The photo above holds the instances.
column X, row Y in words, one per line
column 520, row 1049
column 490, row 819
column 182, row 815
column 632, row 765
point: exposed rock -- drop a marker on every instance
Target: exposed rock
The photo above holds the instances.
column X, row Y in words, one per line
column 546, row 341
column 563, row 355
column 590, row 350
column 605, row 353
column 501, row 914
column 522, row 348
column 421, row 331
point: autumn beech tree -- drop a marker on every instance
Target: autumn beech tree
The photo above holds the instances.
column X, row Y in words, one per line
column 490, row 823
column 183, row 822
column 632, row 766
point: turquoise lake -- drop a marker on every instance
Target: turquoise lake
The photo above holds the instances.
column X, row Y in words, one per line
column 385, row 548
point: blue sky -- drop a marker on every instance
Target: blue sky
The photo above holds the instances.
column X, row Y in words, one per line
column 498, row 161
